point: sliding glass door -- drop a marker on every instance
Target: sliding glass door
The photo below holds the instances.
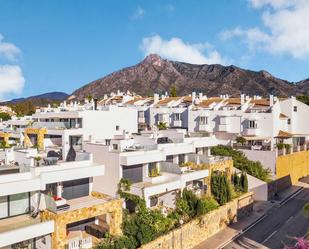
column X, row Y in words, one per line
column 13, row 205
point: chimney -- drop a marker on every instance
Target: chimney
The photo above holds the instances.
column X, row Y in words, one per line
column 200, row 96
column 155, row 98
column 166, row 94
column 193, row 96
column 271, row 100
column 95, row 104
column 242, row 99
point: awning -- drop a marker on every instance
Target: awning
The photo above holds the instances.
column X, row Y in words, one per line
column 255, row 138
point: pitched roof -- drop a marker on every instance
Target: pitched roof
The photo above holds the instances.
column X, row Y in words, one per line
column 284, row 134
column 167, row 100
column 283, row 116
column 206, row 103
column 233, row 101
column 260, row 102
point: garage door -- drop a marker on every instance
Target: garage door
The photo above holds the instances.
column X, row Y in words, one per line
column 133, row 173
column 76, row 188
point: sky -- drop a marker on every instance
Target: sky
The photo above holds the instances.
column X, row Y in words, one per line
column 60, row 45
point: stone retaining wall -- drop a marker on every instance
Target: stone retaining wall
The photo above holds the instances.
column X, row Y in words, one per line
column 196, row 231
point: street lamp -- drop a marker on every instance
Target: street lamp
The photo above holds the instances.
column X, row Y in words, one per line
column 181, row 223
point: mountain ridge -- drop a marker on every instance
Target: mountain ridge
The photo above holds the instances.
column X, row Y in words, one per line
column 154, row 74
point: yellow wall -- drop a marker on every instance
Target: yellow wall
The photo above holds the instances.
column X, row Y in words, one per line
column 296, row 165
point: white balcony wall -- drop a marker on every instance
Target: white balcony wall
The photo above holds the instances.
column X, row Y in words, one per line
column 25, row 233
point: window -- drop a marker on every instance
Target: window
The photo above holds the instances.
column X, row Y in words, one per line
column 117, row 127
column 295, row 108
column 115, row 146
column 203, row 120
column 108, row 142
column 252, row 124
column 177, row 116
column 141, row 114
column 289, row 121
column 13, row 205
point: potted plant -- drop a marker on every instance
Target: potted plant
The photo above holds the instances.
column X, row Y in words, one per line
column 37, row 159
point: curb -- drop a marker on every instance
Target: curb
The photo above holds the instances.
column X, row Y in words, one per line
column 258, row 220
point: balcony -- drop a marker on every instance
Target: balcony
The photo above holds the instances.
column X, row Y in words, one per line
column 177, row 123
column 202, row 127
column 255, row 131
column 23, row 227
column 56, row 125
column 224, row 127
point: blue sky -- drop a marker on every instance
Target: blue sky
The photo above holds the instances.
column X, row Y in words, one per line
column 61, row 45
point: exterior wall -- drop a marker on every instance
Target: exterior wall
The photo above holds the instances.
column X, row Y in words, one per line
column 267, row 158
column 107, row 183
column 294, row 166
column 257, row 187
column 194, row 232
column 112, row 207
column 102, row 124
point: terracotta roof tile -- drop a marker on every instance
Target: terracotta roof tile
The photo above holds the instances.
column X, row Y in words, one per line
column 206, row 103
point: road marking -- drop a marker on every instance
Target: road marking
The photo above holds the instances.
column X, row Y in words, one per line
column 269, row 236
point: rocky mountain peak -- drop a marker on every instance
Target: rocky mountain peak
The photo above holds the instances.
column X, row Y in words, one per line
column 156, row 75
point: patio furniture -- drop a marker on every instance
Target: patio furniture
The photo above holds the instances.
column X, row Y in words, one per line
column 63, row 207
column 96, row 230
column 50, row 160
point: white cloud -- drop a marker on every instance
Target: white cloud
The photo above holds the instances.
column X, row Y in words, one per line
column 8, row 50
column 11, row 76
column 285, row 28
column 138, row 13
column 11, row 79
column 176, row 49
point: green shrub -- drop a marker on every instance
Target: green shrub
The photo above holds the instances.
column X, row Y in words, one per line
column 220, row 188
column 242, row 163
column 241, row 140
column 281, row 146
column 206, row 205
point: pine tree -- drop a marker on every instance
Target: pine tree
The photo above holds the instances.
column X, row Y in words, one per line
column 173, row 92
column 244, row 182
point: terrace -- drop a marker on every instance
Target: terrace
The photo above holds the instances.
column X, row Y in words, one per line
column 18, row 228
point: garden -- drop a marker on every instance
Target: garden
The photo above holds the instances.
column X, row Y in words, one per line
column 242, row 163
column 145, row 225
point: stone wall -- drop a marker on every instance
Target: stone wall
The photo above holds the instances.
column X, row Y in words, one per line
column 196, row 231
column 111, row 207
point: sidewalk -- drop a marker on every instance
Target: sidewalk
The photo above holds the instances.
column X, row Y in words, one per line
column 260, row 209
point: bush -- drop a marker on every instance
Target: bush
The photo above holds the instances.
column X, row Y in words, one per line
column 220, row 188
column 206, row 205
column 240, row 182
column 281, row 146
column 162, row 126
column 4, row 116
column 242, row 163
column 241, row 140
column 122, row 242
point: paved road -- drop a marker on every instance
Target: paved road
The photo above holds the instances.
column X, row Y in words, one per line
column 276, row 230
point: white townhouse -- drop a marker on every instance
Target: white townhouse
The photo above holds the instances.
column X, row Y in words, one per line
column 70, row 125
column 47, row 202
column 154, row 162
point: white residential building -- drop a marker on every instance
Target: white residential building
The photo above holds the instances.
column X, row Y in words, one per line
column 153, row 162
